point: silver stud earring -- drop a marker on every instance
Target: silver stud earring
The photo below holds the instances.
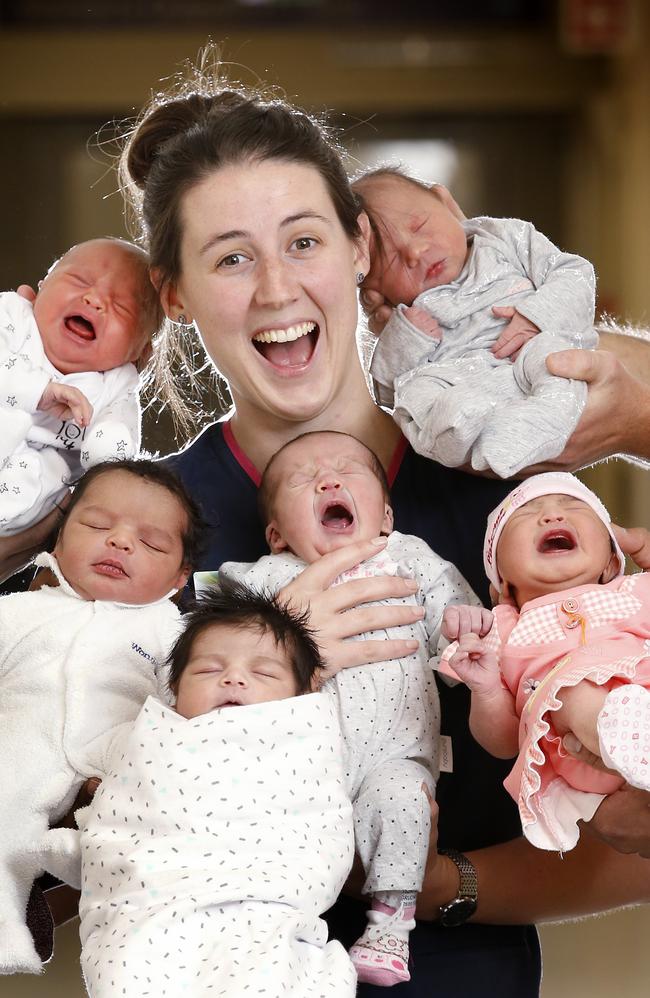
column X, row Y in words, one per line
column 360, row 277
column 182, row 321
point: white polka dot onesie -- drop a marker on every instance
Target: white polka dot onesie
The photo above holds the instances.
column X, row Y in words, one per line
column 389, row 711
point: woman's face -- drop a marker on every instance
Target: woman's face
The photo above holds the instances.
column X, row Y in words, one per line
column 269, row 276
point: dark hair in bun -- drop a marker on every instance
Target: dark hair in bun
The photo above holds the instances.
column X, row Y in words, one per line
column 184, row 136
column 203, row 125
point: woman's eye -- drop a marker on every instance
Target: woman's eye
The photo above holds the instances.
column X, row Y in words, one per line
column 232, row 260
column 304, row 243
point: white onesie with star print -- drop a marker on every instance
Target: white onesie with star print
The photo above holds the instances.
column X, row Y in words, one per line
column 40, row 454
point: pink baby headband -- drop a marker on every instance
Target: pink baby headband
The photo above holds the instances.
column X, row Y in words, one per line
column 553, row 483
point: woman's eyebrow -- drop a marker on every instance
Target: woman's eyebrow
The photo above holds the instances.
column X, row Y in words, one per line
column 290, row 219
column 220, row 237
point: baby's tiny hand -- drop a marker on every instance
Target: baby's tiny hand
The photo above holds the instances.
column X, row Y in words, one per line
column 423, row 321
column 459, row 619
column 476, row 666
column 514, row 334
column 66, row 402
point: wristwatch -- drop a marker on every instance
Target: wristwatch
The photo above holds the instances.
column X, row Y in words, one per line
column 460, row 908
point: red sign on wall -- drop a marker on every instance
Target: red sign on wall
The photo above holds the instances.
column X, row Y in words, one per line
column 596, row 26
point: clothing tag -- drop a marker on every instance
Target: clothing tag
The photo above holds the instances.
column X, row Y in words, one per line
column 446, row 755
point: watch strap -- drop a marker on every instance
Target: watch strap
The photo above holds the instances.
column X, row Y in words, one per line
column 460, row 908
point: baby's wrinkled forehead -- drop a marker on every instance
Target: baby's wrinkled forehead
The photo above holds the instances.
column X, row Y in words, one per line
column 557, row 498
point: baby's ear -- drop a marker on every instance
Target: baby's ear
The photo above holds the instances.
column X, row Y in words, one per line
column 274, row 538
column 388, row 521
column 611, row 569
column 182, row 577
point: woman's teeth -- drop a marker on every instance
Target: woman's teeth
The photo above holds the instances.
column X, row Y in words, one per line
column 285, row 335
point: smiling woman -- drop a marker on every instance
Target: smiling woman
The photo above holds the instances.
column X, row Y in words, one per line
column 256, row 238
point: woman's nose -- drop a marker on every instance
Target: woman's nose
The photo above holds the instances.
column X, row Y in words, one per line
column 276, row 286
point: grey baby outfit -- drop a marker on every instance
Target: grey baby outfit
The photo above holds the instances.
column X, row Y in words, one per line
column 389, row 712
column 454, row 400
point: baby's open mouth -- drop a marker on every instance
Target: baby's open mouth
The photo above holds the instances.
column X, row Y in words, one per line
column 80, row 326
column 557, row 540
column 290, row 347
column 337, row 516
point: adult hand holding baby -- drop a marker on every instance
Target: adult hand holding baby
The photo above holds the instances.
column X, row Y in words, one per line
column 612, row 389
column 623, row 818
column 341, row 612
column 16, row 550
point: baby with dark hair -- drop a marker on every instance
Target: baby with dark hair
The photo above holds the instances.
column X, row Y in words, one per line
column 78, row 658
column 223, row 829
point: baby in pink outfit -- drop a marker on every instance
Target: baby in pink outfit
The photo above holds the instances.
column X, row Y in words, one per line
column 567, row 651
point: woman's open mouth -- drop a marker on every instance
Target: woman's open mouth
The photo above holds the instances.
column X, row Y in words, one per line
column 557, row 541
column 289, row 347
column 337, row 517
column 79, row 326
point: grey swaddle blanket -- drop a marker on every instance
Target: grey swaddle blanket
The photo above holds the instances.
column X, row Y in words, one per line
column 210, row 851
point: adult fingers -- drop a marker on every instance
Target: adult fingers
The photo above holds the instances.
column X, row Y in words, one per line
column 340, row 655
column 635, row 542
column 575, row 748
column 26, row 291
column 371, row 300
column 582, row 365
column 17, row 549
column 320, row 575
column 378, row 319
column 369, row 618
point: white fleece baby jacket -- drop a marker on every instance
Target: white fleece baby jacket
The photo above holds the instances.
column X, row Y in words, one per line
column 210, row 851
column 40, row 454
column 71, row 671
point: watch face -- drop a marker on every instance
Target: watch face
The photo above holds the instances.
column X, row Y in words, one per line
column 457, row 911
